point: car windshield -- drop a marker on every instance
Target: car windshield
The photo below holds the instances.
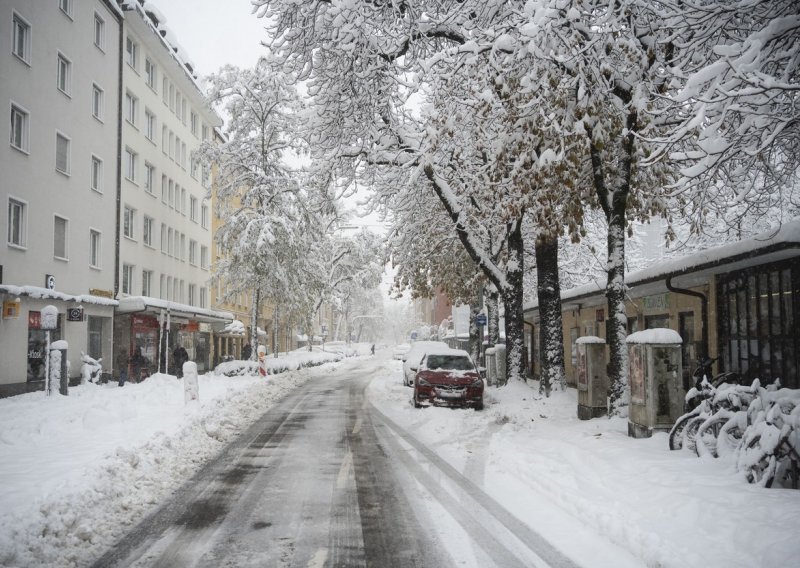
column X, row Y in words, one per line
column 449, row 362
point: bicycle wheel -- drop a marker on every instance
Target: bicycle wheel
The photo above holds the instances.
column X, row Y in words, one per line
column 708, row 432
column 690, row 432
column 729, row 439
column 676, row 432
column 761, row 465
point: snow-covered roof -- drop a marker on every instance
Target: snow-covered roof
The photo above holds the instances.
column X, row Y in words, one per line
column 47, row 294
column 659, row 336
column 781, row 243
column 153, row 18
column 131, row 304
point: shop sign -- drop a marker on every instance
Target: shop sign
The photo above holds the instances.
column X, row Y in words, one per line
column 140, row 320
column 101, row 293
column 205, row 327
column 75, row 314
column 191, row 326
column 11, row 309
column 659, row 302
column 34, row 320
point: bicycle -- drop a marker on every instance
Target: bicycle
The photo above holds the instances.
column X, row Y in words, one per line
column 698, row 404
column 771, row 444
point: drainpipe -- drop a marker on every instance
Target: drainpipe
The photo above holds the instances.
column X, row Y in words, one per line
column 703, row 314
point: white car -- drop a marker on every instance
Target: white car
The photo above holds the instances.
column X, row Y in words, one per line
column 414, row 355
column 399, row 351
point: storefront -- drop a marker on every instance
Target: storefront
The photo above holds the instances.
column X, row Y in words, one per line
column 84, row 321
column 158, row 328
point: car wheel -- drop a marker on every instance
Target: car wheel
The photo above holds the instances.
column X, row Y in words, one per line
column 479, row 405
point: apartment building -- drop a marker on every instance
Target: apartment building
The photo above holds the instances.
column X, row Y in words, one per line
column 59, row 86
column 165, row 239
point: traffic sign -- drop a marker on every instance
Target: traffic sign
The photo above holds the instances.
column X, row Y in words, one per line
column 480, row 319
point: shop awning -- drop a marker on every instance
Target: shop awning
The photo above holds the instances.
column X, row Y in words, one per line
column 177, row 311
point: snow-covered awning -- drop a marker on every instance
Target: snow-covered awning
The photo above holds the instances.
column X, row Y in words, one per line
column 132, row 304
column 47, row 294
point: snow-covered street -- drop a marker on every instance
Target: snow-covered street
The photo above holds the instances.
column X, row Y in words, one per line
column 79, row 471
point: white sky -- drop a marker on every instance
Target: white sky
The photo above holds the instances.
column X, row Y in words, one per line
column 215, row 32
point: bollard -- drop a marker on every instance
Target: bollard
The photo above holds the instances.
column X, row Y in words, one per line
column 191, row 389
column 58, row 367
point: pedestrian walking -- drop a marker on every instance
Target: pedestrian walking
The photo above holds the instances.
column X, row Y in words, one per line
column 180, row 356
column 122, row 365
column 247, row 351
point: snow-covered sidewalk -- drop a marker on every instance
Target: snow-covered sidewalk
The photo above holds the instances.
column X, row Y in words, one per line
column 77, row 471
column 555, row 472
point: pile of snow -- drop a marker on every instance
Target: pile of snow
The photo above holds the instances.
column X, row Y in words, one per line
column 578, row 483
column 79, row 470
column 292, row 361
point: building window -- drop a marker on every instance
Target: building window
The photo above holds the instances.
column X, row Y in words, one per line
column 99, row 32
column 127, row 279
column 62, row 153
column 151, row 74
column 164, row 189
column 165, row 90
column 147, row 231
column 195, row 166
column 97, row 174
column 60, row 244
column 182, row 252
column 64, row 74
column 149, row 125
column 203, row 297
column 192, row 294
column 149, row 176
column 192, row 252
column 129, row 222
column 131, row 108
column 163, row 238
column 17, row 223
column 171, row 148
column 170, row 242
column 183, row 155
column 22, row 39
column 131, row 52
column 131, row 164
column 193, row 122
column 147, row 282
column 19, row 128
column 66, row 7
column 94, row 248
column 193, row 208
column 183, row 201
column 172, row 98
column 204, row 257
column 205, row 132
column 171, row 197
column 97, row 102
column 204, row 216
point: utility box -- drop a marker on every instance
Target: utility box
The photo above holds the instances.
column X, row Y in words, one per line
column 655, row 377
column 592, row 378
column 58, row 368
column 491, row 368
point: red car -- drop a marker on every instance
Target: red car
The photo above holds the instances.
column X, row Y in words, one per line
column 448, row 378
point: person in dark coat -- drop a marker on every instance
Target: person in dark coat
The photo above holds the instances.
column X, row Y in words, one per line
column 247, row 351
column 137, row 362
column 122, row 365
column 180, row 356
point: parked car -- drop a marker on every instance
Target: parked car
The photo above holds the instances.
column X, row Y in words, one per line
column 398, row 351
column 448, row 378
column 413, row 357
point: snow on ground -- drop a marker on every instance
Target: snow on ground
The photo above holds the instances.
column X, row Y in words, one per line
column 568, row 478
column 78, row 471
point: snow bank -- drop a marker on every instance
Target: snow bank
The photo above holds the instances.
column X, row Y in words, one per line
column 78, row 471
column 604, row 499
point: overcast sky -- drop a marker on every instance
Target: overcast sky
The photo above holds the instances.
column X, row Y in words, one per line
column 215, row 32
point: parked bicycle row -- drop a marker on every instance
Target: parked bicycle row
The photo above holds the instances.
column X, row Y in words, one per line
column 758, row 427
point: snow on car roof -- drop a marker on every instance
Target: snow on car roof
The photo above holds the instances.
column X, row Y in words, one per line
column 447, row 351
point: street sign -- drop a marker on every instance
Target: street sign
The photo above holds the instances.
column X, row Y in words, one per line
column 480, row 319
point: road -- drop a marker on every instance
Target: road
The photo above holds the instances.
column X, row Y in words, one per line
column 325, row 479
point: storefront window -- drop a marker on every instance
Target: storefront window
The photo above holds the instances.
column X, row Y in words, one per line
column 37, row 345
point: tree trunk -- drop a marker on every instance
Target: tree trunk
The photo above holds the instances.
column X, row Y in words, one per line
column 493, row 316
column 276, row 331
column 512, row 302
column 551, row 334
column 254, row 327
column 474, row 331
column 617, row 321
